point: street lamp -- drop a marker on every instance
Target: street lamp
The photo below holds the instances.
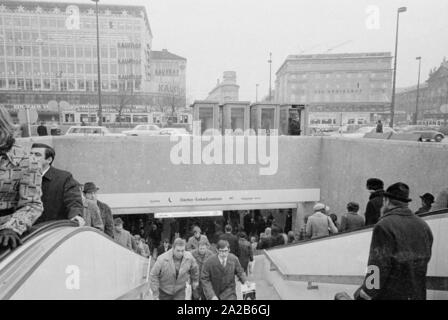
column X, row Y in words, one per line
column 100, row 109
column 392, row 106
column 256, row 92
column 270, row 75
column 418, row 89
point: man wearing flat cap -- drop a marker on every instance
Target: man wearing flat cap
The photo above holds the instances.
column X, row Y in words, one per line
column 427, row 201
column 399, row 252
column 90, row 191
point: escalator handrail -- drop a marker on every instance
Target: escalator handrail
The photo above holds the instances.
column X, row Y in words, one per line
column 38, row 230
column 339, row 234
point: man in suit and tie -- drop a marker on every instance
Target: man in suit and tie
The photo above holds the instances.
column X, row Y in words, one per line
column 218, row 274
column 234, row 245
column 61, row 196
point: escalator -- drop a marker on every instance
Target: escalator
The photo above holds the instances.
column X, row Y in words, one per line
column 59, row 260
column 319, row 268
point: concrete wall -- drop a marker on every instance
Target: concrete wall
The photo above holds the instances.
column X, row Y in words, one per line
column 338, row 166
column 142, row 164
column 346, row 164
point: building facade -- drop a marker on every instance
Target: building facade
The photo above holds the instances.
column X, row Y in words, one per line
column 225, row 90
column 433, row 98
column 168, row 83
column 339, row 89
column 48, row 53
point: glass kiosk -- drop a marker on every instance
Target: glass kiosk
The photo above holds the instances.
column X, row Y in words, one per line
column 208, row 113
column 264, row 116
column 292, row 120
column 235, row 117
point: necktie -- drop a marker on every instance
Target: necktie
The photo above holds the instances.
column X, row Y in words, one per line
column 223, row 263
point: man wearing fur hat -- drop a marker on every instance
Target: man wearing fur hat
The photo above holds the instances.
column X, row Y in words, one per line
column 399, row 252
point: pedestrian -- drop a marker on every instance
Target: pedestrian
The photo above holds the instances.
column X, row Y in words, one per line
column 352, row 220
column 379, row 127
column 254, row 243
column 218, row 274
column 193, row 241
column 42, row 129
column 441, row 200
column 400, row 251
column 288, row 222
column 164, row 247
column 375, row 187
column 142, row 247
column 122, row 236
column 20, row 180
column 262, row 224
column 334, row 218
column 265, row 239
column 250, row 224
column 246, row 253
column 61, row 196
column 155, row 236
column 91, row 192
column 172, row 271
column 91, row 213
column 201, row 254
column 319, row 224
column 291, row 237
column 231, row 239
column 277, row 237
column 427, row 201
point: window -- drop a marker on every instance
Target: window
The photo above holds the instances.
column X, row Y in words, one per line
column 29, row 84
column 19, row 68
column 54, row 69
column 137, row 85
column 69, row 117
column 70, row 52
column 88, row 68
column 113, row 52
column 10, row 51
column 27, row 68
column 45, row 52
column 88, row 85
column 81, row 84
column 26, row 36
column 87, row 52
column 25, row 21
column 70, row 68
column 105, row 84
column 80, row 68
column 18, row 35
column 19, row 51
column 114, row 84
column 2, row 83
column 71, row 84
column 53, row 52
column 12, row 83
column 103, row 52
column 47, row 84
column 104, row 68
column 79, row 52
column 37, row 84
column 20, row 84
column 113, row 69
column 36, row 51
column 27, row 51
column 64, row 85
column 62, row 52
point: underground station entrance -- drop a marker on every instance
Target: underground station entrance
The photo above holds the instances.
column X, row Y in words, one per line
column 157, row 217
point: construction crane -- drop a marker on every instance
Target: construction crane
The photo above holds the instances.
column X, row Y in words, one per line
column 339, row 45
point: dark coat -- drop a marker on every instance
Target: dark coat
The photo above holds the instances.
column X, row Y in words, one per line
column 401, row 249
column 42, row 130
column 61, row 196
column 219, row 281
column 234, row 245
column 108, row 220
column 246, row 253
column 373, row 208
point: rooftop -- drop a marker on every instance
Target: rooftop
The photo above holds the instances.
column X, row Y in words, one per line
column 165, row 55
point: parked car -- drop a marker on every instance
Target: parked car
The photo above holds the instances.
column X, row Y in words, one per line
column 361, row 132
column 174, row 132
column 143, row 130
column 90, row 131
column 427, row 133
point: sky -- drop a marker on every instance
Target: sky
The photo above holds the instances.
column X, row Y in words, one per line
column 220, row 35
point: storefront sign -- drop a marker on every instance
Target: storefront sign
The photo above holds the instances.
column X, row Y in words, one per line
column 207, row 198
column 184, row 214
